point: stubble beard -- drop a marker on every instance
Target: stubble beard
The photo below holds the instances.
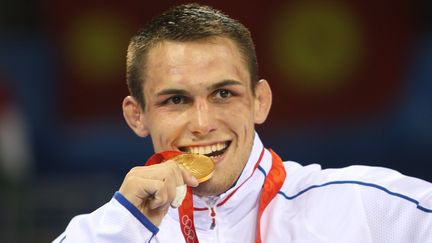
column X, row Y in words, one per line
column 221, row 181
column 213, row 187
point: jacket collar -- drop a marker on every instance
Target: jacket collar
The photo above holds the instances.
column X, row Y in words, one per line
column 248, row 170
column 243, row 197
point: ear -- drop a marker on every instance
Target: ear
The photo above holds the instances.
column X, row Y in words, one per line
column 263, row 101
column 134, row 116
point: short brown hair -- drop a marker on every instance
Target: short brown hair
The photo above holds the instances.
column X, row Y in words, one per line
column 186, row 22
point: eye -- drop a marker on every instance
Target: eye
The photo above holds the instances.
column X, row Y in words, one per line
column 223, row 94
column 175, row 100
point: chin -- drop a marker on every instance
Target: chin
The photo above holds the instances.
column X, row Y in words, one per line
column 210, row 188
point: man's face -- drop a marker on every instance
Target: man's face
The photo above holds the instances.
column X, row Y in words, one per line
column 198, row 99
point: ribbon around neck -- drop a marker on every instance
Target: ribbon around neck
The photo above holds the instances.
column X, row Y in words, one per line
column 272, row 185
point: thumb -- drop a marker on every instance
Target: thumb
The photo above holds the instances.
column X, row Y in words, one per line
column 188, row 178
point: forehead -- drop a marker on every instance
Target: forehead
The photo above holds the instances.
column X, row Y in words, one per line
column 199, row 61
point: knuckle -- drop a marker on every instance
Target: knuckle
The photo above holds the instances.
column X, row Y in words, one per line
column 159, row 185
column 173, row 164
column 174, row 170
column 164, row 197
column 133, row 171
column 130, row 180
column 171, row 169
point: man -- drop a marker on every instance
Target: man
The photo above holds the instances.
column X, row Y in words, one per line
column 193, row 78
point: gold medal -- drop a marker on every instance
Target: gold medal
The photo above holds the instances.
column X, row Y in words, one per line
column 200, row 166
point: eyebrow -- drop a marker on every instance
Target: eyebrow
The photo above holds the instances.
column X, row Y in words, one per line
column 224, row 83
column 173, row 91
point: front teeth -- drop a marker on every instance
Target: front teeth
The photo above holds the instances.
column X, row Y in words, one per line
column 207, row 149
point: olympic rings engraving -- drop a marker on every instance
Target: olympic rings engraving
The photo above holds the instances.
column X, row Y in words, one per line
column 187, row 229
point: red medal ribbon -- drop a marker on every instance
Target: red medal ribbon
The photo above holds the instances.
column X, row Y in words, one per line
column 186, row 218
column 271, row 187
column 186, row 208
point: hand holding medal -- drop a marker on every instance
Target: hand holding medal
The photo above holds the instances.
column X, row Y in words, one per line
column 200, row 166
column 165, row 181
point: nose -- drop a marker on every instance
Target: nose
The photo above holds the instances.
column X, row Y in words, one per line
column 202, row 121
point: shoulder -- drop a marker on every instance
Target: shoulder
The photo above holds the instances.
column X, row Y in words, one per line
column 366, row 180
column 356, row 202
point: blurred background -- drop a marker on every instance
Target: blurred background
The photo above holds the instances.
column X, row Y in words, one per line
column 352, row 84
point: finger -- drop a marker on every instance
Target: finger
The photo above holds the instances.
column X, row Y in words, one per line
column 171, row 188
column 168, row 170
column 188, row 178
column 184, row 177
column 160, row 197
column 180, row 174
column 138, row 190
column 176, row 172
column 161, row 193
column 162, row 184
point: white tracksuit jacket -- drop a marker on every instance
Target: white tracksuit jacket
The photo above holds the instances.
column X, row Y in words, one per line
column 357, row 204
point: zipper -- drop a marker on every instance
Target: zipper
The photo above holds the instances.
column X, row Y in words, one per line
column 212, row 213
column 211, row 202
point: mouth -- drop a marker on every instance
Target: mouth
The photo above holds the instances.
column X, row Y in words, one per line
column 214, row 151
